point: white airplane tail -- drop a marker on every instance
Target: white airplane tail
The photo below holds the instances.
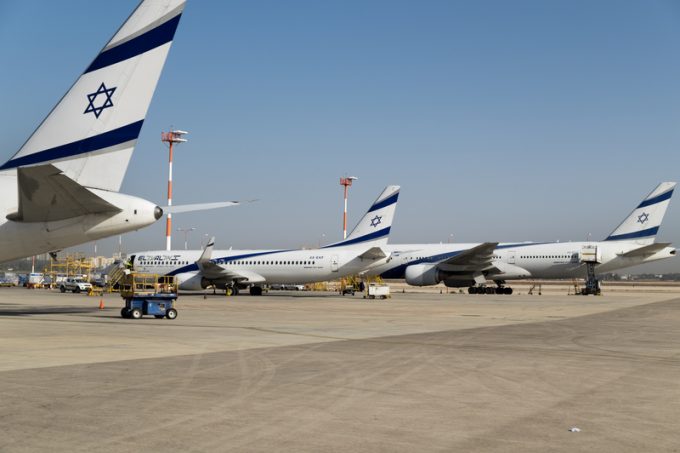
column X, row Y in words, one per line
column 91, row 133
column 374, row 227
column 643, row 223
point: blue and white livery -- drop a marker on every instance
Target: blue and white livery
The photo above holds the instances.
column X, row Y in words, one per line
column 96, row 124
column 473, row 265
column 641, row 226
column 61, row 188
column 232, row 270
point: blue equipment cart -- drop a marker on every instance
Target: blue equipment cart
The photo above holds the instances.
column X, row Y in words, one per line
column 148, row 294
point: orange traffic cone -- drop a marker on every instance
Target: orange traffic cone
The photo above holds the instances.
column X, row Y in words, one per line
column 101, row 304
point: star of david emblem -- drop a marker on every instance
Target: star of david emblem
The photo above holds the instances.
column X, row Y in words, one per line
column 375, row 221
column 97, row 110
column 642, row 218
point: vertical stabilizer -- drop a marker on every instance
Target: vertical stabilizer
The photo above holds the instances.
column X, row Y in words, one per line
column 91, row 133
column 643, row 223
column 374, row 227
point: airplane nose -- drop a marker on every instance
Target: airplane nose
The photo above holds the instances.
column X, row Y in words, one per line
column 158, row 212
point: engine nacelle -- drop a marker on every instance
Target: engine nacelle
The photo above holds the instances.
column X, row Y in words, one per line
column 422, row 275
column 509, row 272
column 453, row 282
column 190, row 281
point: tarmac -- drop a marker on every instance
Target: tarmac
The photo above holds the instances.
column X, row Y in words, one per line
column 317, row 372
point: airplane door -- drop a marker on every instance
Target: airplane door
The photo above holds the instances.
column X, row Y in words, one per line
column 511, row 257
column 334, row 263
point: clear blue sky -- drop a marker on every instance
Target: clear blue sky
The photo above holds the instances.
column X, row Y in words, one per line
column 510, row 121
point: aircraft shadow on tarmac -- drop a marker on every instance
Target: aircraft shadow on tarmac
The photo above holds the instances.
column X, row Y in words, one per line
column 30, row 311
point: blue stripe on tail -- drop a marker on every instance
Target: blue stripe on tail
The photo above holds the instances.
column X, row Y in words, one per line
column 635, row 235
column 657, row 199
column 101, row 141
column 137, row 46
column 366, row 237
column 385, row 203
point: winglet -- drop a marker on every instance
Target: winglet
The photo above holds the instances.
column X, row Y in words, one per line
column 207, row 251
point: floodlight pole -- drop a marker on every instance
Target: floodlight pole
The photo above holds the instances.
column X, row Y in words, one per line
column 186, row 235
column 170, row 138
column 346, row 182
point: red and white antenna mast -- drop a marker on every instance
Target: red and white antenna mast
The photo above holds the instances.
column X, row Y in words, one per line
column 171, row 138
column 346, row 182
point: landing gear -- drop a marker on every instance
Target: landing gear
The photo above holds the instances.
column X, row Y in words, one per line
column 489, row 290
column 255, row 290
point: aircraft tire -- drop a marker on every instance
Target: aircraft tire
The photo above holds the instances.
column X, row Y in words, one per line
column 472, row 290
column 255, row 290
column 500, row 290
column 490, row 290
column 507, row 291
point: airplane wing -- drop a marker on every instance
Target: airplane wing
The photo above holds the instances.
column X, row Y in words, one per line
column 473, row 259
column 46, row 195
column 646, row 250
column 214, row 271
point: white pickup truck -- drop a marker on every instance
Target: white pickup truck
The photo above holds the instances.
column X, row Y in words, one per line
column 74, row 284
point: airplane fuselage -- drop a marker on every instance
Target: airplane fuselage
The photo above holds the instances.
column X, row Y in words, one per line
column 263, row 266
column 521, row 260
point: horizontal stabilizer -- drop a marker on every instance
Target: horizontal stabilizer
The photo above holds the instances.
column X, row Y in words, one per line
column 198, row 206
column 374, row 253
column 47, row 195
column 646, row 250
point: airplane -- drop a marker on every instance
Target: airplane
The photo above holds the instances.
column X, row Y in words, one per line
column 62, row 187
column 473, row 265
column 233, row 270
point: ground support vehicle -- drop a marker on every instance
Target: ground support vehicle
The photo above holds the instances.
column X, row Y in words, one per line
column 148, row 294
column 375, row 290
column 75, row 285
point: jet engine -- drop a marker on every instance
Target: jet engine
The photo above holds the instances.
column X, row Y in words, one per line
column 422, row 275
column 463, row 282
column 191, row 281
